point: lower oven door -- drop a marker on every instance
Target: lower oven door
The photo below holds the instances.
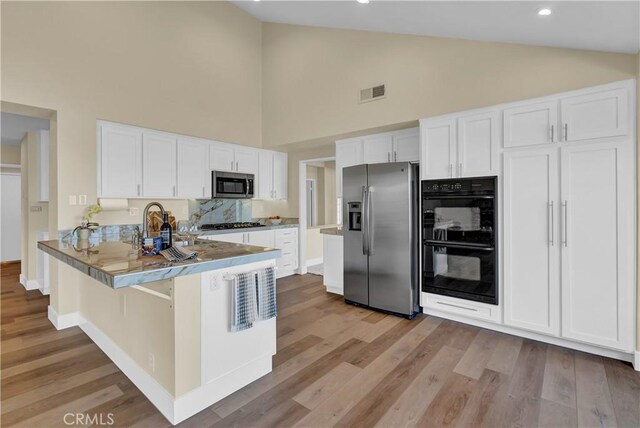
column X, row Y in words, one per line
column 460, row 271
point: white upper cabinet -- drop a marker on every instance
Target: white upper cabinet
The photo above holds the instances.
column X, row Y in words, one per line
column 280, row 172
column 532, row 240
column 531, row 124
column 378, row 148
column 406, row 145
column 222, row 157
column 438, row 148
column 271, row 179
column 598, row 241
column 478, row 140
column 193, row 174
column 246, row 160
column 120, row 162
column 595, row 115
column 348, row 153
column 158, row 165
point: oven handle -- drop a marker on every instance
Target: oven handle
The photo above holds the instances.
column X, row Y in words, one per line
column 465, row 196
column 432, row 243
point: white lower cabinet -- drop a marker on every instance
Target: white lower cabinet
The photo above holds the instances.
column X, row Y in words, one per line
column 285, row 240
column 532, row 241
column 598, row 243
column 569, row 241
column 333, row 275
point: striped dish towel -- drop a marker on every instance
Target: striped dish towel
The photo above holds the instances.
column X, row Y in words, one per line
column 245, row 308
column 267, row 307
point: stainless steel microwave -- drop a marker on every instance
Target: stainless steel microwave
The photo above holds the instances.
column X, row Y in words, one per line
column 231, row 185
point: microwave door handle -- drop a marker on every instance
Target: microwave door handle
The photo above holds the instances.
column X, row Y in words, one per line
column 246, row 189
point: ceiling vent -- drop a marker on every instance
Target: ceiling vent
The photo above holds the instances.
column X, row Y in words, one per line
column 372, row 94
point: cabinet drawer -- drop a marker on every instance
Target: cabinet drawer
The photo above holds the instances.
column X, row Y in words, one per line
column 282, row 242
column 292, row 231
column 287, row 262
column 462, row 307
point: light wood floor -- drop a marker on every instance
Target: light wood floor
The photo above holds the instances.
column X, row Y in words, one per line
column 336, row 365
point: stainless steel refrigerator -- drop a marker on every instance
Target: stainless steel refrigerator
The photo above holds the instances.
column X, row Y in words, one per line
column 381, row 236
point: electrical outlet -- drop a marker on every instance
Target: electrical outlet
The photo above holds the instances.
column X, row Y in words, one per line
column 214, row 284
column 152, row 362
column 133, row 212
column 73, row 200
column 35, row 209
column 82, row 199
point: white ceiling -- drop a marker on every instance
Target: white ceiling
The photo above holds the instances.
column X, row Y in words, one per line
column 596, row 25
column 14, row 126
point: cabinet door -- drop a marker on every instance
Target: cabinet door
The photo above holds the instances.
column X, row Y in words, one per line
column 478, row 145
column 531, row 124
column 221, row 157
column 598, row 115
column 120, row 162
column 437, row 148
column 406, row 146
column 280, row 174
column 261, row 238
column 193, row 175
column 246, row 160
column 598, row 244
column 531, row 240
column 158, row 165
column 377, row 148
column 264, row 179
column 348, row 153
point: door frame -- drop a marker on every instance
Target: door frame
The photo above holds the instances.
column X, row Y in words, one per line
column 302, row 210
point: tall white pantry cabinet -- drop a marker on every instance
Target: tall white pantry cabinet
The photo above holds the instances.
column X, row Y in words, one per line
column 568, row 216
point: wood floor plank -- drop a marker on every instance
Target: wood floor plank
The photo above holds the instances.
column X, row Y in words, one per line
column 416, row 398
column 553, row 414
column 505, row 354
column 449, row 404
column 326, row 386
column 477, row 356
column 559, row 383
column 595, row 407
column 483, row 397
column 624, row 385
column 295, row 348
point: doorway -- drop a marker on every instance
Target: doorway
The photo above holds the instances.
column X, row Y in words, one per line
column 312, row 203
column 10, row 223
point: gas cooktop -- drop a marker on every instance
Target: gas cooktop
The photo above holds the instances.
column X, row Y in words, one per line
column 236, row 225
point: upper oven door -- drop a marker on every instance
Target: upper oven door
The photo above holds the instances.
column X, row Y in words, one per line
column 231, row 185
column 459, row 219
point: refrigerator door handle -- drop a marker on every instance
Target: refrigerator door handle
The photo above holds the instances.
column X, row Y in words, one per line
column 364, row 221
column 370, row 225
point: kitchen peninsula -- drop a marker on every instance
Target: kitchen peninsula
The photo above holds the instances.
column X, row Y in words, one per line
column 167, row 326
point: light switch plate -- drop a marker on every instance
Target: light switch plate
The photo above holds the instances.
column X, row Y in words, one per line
column 82, row 199
column 35, row 209
column 73, row 200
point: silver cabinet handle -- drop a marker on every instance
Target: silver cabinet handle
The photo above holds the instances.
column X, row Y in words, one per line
column 275, row 194
column 388, row 156
column 138, row 190
column 566, row 224
column 460, row 170
column 248, row 238
column 450, row 170
column 363, row 219
column 236, row 165
column 174, row 190
column 551, row 224
column 395, row 156
column 231, row 165
column 203, row 191
column 566, row 132
column 552, row 133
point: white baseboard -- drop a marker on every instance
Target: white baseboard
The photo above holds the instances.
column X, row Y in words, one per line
column 29, row 284
column 618, row 355
column 23, row 280
column 283, row 273
column 335, row 290
column 61, row 322
column 636, row 361
column 44, row 291
column 316, row 261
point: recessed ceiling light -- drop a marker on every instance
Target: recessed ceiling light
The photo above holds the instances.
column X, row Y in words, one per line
column 363, row 1
column 544, row 11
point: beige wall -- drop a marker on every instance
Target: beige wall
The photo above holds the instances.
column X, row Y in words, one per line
column 187, row 67
column 638, row 189
column 312, row 77
column 330, row 192
column 32, row 221
column 10, row 154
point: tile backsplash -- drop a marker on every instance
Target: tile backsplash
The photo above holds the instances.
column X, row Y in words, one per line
column 219, row 210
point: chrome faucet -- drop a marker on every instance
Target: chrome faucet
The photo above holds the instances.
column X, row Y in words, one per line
column 145, row 217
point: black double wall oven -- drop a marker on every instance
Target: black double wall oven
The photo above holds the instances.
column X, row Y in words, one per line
column 459, row 218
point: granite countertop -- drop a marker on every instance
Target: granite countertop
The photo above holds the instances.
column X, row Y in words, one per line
column 332, row 231
column 111, row 264
column 247, row 229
